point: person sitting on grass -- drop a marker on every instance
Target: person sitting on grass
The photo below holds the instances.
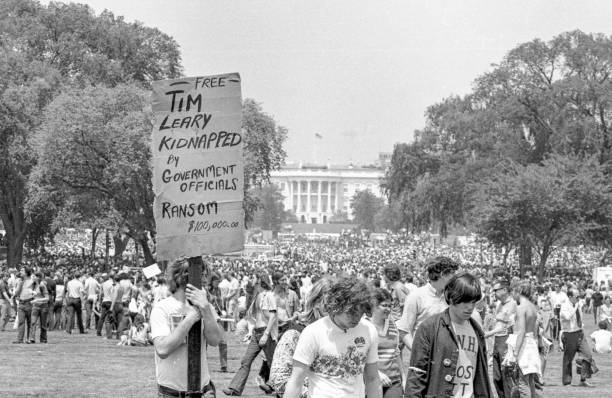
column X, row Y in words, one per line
column 602, row 338
column 139, row 333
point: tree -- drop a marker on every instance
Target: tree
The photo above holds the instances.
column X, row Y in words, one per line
column 388, row 217
column 94, row 143
column 263, row 151
column 339, row 217
column 546, row 205
column 543, row 99
column 365, row 206
column 44, row 49
column 271, row 212
column 25, row 89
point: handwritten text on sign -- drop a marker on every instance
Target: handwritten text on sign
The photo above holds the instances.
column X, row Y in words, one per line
column 198, row 166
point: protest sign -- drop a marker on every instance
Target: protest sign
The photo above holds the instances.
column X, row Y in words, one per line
column 151, row 271
column 198, row 166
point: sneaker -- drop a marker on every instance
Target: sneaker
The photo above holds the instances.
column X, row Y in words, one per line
column 224, row 369
column 263, row 385
column 230, row 392
column 584, row 383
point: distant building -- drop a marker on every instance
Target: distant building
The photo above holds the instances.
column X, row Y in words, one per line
column 316, row 192
column 384, row 159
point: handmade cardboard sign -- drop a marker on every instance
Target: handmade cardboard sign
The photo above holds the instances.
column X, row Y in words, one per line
column 198, row 166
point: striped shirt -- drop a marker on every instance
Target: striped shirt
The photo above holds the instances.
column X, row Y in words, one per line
column 388, row 351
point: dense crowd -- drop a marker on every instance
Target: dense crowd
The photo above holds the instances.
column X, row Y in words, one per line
column 62, row 289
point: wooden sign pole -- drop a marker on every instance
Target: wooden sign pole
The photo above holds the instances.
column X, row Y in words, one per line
column 194, row 339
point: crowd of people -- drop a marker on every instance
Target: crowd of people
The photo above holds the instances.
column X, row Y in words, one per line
column 333, row 318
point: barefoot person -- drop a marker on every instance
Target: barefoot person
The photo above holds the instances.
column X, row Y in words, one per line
column 524, row 341
column 171, row 320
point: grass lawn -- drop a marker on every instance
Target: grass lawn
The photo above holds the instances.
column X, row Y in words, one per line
column 75, row 366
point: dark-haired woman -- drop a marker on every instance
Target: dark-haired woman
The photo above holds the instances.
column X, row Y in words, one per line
column 262, row 311
column 449, row 351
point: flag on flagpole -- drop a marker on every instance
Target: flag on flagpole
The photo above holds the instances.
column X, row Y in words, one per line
column 317, row 135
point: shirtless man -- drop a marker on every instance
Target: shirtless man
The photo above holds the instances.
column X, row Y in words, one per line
column 526, row 348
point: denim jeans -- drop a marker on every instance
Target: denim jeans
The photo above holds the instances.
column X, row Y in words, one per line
column 240, row 378
column 527, row 386
column 74, row 306
column 89, row 306
column 393, row 391
column 24, row 319
column 55, row 316
column 5, row 313
column 39, row 314
column 118, row 315
column 574, row 342
column 501, row 381
column 105, row 312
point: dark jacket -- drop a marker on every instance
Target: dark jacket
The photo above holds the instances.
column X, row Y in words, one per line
column 433, row 360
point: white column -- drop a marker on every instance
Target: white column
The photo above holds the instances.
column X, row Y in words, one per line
column 308, row 199
column 299, row 198
column 329, row 198
column 336, row 197
column 318, row 199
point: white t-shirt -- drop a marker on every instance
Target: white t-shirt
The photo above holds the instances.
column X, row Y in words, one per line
column 172, row 370
column 602, row 341
column 224, row 288
column 92, row 286
column 336, row 358
column 466, row 362
column 234, row 288
column 160, row 292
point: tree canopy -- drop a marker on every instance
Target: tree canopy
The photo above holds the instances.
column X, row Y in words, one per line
column 75, row 126
column 545, row 106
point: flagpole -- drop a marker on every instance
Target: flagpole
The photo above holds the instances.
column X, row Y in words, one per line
column 314, row 148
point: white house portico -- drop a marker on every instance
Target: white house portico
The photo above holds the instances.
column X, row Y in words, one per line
column 316, row 192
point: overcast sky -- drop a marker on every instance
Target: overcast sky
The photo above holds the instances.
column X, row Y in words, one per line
column 359, row 73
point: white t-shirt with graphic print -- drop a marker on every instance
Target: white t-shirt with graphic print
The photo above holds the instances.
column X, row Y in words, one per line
column 172, row 370
column 336, row 358
column 466, row 362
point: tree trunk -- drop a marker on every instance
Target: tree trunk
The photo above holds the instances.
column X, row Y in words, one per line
column 94, row 238
column 15, row 226
column 507, row 250
column 146, row 251
column 106, row 245
column 542, row 264
column 524, row 258
column 120, row 244
column 602, row 261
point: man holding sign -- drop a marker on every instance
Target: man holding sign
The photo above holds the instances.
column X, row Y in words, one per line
column 171, row 320
column 198, row 181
